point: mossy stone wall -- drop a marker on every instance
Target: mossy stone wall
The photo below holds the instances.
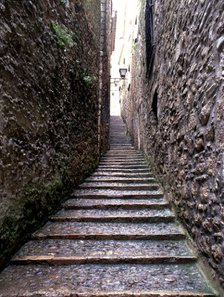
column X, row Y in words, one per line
column 49, row 109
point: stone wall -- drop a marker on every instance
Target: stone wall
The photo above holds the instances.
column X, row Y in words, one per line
column 49, row 106
column 181, row 112
column 105, row 54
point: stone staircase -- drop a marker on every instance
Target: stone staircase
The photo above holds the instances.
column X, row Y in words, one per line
column 115, row 237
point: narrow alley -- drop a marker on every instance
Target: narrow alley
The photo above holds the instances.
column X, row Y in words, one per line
column 111, row 148
column 116, row 236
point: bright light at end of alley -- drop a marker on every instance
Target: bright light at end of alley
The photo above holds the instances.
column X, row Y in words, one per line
column 121, row 57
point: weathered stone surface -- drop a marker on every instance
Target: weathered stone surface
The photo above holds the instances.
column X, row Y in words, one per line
column 87, row 248
column 48, row 108
column 43, row 280
column 102, row 257
column 179, row 123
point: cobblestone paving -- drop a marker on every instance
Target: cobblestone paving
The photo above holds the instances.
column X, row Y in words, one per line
column 115, row 237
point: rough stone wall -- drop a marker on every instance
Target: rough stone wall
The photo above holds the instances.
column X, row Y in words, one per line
column 132, row 96
column 182, row 115
column 105, row 50
column 48, row 108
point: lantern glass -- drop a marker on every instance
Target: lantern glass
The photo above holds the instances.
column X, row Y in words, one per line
column 123, row 72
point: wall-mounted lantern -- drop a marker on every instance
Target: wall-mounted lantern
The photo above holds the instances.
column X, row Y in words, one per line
column 123, row 72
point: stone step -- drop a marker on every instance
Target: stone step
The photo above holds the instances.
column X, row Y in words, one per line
column 101, row 248
column 74, row 260
column 126, row 141
column 117, row 144
column 112, row 231
column 132, row 161
column 115, row 179
column 121, row 145
column 121, row 167
column 116, row 138
column 115, row 203
column 119, row 186
column 121, row 161
column 111, row 161
column 122, row 156
column 114, row 215
column 123, row 170
column 125, row 150
column 123, row 174
column 112, row 197
column 119, row 138
column 133, row 154
column 119, row 131
column 106, row 193
column 105, row 280
column 121, row 151
column 119, row 135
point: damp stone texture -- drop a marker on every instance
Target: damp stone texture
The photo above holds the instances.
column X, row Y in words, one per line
column 177, row 113
column 49, row 108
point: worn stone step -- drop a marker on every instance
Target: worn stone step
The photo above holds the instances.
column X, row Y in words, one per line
column 119, row 186
column 120, row 141
column 119, row 136
column 110, row 162
column 123, row 152
column 116, row 230
column 118, row 145
column 114, row 215
column 120, row 133
column 123, row 158
column 120, row 179
column 100, row 248
column 88, row 279
column 123, row 174
column 106, row 193
column 121, row 145
column 123, row 161
column 116, row 140
column 115, row 203
column 112, row 197
column 131, row 161
column 121, row 167
column 119, row 149
column 122, row 170
column 126, row 141
column 74, row 260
